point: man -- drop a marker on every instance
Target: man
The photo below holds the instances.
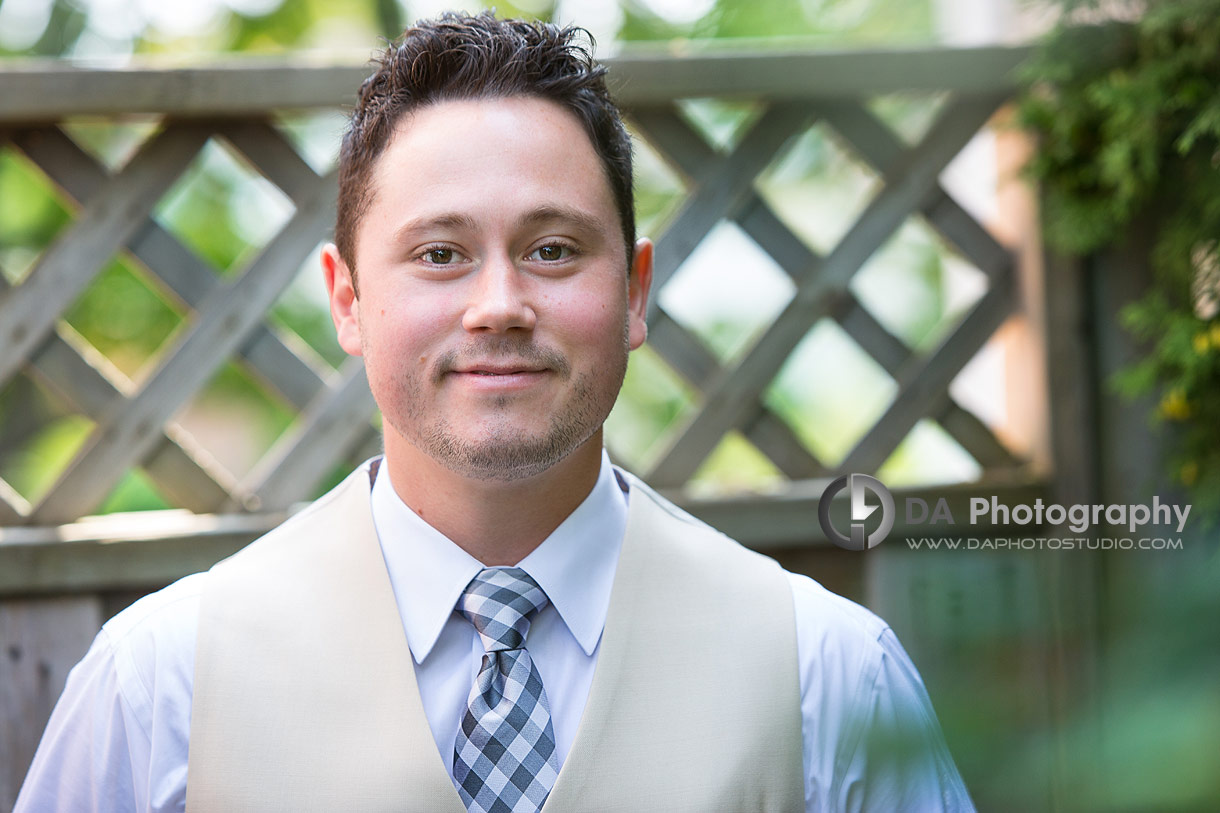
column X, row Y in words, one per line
column 492, row 617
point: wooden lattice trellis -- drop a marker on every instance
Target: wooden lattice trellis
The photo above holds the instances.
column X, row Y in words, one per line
column 133, row 426
column 723, row 187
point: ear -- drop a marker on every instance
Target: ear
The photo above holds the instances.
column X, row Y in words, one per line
column 639, row 283
column 344, row 304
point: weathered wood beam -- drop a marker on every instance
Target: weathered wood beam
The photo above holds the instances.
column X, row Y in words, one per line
column 271, row 154
column 44, row 89
column 151, row 548
column 789, row 519
column 120, row 551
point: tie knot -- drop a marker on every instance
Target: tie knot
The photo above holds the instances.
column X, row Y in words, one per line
column 499, row 602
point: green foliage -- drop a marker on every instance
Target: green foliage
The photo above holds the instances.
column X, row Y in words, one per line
column 1135, row 137
column 834, row 22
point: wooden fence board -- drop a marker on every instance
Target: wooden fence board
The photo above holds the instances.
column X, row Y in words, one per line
column 270, row 153
column 143, row 550
column 721, row 186
column 122, row 439
column 29, row 311
column 327, row 431
column 37, row 90
column 924, row 380
column 40, row 641
column 185, row 276
column 737, row 387
column 878, row 145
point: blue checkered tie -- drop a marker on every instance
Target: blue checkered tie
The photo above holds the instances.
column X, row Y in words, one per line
column 504, row 759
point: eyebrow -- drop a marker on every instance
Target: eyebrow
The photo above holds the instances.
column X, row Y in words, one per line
column 581, row 220
column 549, row 213
column 448, row 220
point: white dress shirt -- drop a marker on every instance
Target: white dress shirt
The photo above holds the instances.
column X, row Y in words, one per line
column 118, row 737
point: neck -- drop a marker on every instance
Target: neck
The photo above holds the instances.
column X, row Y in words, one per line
column 497, row 522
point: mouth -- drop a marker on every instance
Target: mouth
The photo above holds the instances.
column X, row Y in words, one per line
column 499, row 370
column 499, row 377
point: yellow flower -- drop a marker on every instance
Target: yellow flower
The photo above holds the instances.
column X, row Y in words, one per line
column 1214, row 334
column 1174, row 405
column 1189, row 473
column 1202, row 343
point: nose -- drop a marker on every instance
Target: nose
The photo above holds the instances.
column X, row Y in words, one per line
column 499, row 300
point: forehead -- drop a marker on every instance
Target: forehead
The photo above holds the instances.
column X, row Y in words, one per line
column 488, row 159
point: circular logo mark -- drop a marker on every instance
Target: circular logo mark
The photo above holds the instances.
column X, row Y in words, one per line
column 858, row 486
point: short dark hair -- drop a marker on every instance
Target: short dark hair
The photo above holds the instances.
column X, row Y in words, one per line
column 458, row 56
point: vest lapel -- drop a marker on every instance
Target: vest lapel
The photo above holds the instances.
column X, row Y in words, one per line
column 695, row 703
column 315, row 705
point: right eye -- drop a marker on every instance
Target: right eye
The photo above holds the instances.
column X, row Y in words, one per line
column 439, row 256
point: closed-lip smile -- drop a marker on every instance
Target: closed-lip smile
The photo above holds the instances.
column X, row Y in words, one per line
column 500, row 377
column 498, row 368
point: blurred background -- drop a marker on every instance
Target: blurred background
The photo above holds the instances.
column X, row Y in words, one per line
column 956, row 356
column 224, row 211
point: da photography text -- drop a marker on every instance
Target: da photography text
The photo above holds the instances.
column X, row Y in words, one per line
column 1079, row 518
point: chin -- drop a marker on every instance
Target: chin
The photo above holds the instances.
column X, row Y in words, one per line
column 507, row 456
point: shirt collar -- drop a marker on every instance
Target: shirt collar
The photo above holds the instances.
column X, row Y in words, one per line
column 575, row 565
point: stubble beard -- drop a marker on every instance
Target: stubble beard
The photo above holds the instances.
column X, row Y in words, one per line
column 501, row 453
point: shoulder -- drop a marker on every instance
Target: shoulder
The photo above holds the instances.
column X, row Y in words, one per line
column 861, row 694
column 841, row 649
column 117, row 737
column 275, row 559
column 155, row 613
column 826, row 621
column 833, row 624
column 704, row 549
column 152, row 644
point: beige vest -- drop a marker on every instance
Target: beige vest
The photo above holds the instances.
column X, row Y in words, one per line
column 305, row 696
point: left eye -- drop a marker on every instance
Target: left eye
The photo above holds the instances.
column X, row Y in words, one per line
column 551, row 253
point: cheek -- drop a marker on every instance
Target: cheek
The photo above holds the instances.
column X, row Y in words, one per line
column 596, row 327
column 595, row 311
column 411, row 325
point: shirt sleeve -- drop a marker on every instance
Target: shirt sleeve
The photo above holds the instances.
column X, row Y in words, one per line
column 870, row 738
column 897, row 759
column 118, row 738
column 91, row 744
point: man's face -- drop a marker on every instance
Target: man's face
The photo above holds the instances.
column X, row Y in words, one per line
column 495, row 311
